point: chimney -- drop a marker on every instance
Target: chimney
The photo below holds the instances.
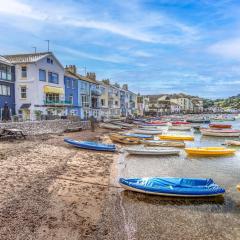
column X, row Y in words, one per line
column 91, row 75
column 71, row 68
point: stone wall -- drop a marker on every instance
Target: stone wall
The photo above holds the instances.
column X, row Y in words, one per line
column 47, row 126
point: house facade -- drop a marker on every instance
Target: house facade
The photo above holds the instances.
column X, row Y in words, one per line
column 7, row 86
column 39, row 88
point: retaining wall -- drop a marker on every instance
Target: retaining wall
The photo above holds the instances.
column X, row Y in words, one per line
column 47, row 126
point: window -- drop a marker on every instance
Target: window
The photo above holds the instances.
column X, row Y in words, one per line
column 24, row 71
column 52, row 77
column 49, row 60
column 23, row 92
column 52, row 98
column 5, row 90
column 42, row 75
column 116, row 102
column 102, row 102
column 74, row 84
column 85, row 101
column 68, row 83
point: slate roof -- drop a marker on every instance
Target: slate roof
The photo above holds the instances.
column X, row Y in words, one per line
column 4, row 61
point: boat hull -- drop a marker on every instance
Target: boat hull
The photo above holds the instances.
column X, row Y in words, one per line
column 176, row 138
column 152, row 152
column 211, row 151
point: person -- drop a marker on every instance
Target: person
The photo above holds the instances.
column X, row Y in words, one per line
column 6, row 113
column 92, row 123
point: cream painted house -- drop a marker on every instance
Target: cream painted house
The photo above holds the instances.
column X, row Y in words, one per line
column 39, row 85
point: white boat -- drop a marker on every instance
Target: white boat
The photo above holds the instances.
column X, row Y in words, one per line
column 159, row 143
column 146, row 131
column 180, row 128
column 149, row 127
column 220, row 132
column 232, row 143
column 110, row 126
column 152, row 151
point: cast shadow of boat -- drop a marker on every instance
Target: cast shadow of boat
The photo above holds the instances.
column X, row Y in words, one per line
column 218, row 204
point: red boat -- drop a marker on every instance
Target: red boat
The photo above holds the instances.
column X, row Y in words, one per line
column 159, row 123
column 180, row 123
column 219, row 126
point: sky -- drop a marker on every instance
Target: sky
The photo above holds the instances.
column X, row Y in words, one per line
column 155, row 46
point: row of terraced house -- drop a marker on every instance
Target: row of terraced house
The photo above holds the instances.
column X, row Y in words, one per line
column 37, row 86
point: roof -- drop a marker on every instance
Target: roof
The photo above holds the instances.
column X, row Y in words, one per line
column 25, row 106
column 86, row 79
column 70, row 74
column 30, row 57
column 4, row 61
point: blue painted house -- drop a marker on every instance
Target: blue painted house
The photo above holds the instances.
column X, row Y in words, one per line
column 7, row 90
column 72, row 95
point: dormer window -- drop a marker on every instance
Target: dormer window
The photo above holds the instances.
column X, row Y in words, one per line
column 49, row 60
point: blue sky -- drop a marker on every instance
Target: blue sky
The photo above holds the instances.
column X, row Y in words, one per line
column 156, row 46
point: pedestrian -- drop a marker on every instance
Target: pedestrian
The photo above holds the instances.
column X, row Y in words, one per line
column 92, row 123
column 6, row 113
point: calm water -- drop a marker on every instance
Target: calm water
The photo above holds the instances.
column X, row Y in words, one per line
column 132, row 215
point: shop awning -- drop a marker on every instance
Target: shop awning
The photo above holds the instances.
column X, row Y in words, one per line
column 57, row 90
column 25, row 106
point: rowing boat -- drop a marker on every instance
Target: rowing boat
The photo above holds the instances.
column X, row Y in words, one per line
column 180, row 123
column 157, row 143
column 213, row 151
column 180, row 128
column 238, row 187
column 221, row 126
column 175, row 187
column 147, row 131
column 110, row 126
column 152, row 151
column 198, row 121
column 139, row 136
column 91, row 145
column 232, row 143
column 220, row 132
column 177, row 137
column 123, row 139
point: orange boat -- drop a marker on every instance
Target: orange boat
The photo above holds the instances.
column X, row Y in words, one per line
column 217, row 125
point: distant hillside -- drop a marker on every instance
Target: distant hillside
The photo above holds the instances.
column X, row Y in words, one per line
column 231, row 102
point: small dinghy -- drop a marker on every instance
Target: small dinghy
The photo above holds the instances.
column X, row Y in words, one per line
column 212, row 151
column 238, row 187
column 147, row 131
column 152, row 151
column 198, row 121
column 220, row 126
column 232, row 143
column 157, row 143
column 140, row 136
column 176, row 187
column 220, row 132
column 177, row 123
column 91, row 145
column 180, row 128
column 123, row 139
column 110, row 126
column 176, row 137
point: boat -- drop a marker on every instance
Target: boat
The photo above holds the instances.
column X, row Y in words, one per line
column 157, row 143
column 213, row 151
column 198, row 121
column 238, row 187
column 232, row 143
column 152, row 151
column 180, row 123
column 110, row 126
column 180, row 128
column 175, row 187
column 139, row 136
column 220, row 132
column 221, row 126
column 147, row 131
column 176, row 137
column 91, row 145
column 157, row 123
column 123, row 139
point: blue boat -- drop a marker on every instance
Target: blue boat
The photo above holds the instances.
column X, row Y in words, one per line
column 91, row 145
column 177, row 187
column 136, row 135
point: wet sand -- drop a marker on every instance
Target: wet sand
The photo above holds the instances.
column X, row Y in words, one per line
column 47, row 187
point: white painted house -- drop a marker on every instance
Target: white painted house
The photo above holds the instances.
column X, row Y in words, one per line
column 39, row 85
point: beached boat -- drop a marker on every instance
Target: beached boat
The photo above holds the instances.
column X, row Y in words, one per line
column 147, row 131
column 123, row 139
column 177, row 137
column 213, row 151
column 180, row 128
column 176, row 123
column 152, row 151
column 223, row 119
column 176, row 187
column 157, row 123
column 157, row 143
column 91, row 145
column 238, row 187
column 220, row 132
column 110, row 126
column 198, row 121
column 232, row 143
column 139, row 136
column 221, row 126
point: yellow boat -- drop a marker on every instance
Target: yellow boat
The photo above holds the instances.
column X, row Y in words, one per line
column 123, row 139
column 211, row 151
column 238, row 187
column 176, row 137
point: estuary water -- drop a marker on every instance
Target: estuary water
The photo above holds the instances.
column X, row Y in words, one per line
column 131, row 215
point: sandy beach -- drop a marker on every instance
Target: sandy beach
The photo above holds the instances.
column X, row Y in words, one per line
column 48, row 190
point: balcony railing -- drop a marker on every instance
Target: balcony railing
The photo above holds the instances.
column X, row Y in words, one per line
column 96, row 92
column 57, row 102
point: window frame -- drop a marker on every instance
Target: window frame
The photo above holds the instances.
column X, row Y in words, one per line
column 21, row 92
column 22, row 76
column 45, row 75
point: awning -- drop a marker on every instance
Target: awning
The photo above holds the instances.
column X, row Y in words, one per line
column 57, row 90
column 25, row 106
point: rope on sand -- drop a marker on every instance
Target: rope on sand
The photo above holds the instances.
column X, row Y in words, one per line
column 92, row 183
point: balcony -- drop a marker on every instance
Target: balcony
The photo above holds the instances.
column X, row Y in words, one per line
column 57, row 102
column 96, row 92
